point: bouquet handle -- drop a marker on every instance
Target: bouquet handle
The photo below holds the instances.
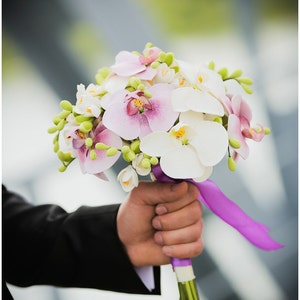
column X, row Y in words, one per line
column 187, row 287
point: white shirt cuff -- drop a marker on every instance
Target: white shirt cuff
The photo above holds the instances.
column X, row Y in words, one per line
column 146, row 274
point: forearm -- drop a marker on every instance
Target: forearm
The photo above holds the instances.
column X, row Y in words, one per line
column 81, row 249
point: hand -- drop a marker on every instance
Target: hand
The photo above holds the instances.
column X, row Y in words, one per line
column 161, row 220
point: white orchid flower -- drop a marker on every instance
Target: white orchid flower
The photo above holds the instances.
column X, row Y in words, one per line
column 88, row 103
column 199, row 90
column 188, row 151
column 128, row 178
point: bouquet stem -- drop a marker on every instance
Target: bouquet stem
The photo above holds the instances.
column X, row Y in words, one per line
column 185, row 278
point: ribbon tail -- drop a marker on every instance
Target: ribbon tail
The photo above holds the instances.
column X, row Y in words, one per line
column 256, row 233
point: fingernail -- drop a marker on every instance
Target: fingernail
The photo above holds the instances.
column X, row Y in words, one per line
column 156, row 224
column 158, row 238
column 161, row 210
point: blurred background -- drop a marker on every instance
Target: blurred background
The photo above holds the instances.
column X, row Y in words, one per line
column 48, row 47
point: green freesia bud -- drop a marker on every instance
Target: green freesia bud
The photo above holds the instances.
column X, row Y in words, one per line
column 149, row 45
column 211, row 65
column 147, row 94
column 236, row 73
column 68, row 157
column 64, row 114
column 246, row 88
column 101, row 75
column 129, row 156
column 134, row 82
column 82, row 118
column 52, row 129
column 88, row 142
column 93, row 154
column 56, row 147
column 146, row 163
column 223, row 72
column 141, row 87
column 231, row 164
column 56, row 120
column 135, row 146
column 86, row 126
column 66, row 105
column 218, row 120
column 267, row 130
column 234, row 143
column 111, row 151
column 125, row 149
column 61, row 156
column 155, row 65
column 55, row 139
column 62, row 168
column 61, row 125
column 162, row 56
column 175, row 68
column 245, row 80
column 169, row 58
column 154, row 161
column 101, row 146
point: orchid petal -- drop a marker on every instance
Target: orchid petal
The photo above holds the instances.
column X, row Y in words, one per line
column 182, row 162
column 188, row 98
column 211, row 142
column 158, row 143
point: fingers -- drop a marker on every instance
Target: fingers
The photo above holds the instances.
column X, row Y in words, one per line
column 153, row 193
column 188, row 215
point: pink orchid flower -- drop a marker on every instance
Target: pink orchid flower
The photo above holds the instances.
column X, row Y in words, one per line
column 102, row 161
column 129, row 64
column 239, row 118
column 133, row 114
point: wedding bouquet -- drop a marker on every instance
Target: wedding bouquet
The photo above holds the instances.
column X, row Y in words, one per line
column 168, row 119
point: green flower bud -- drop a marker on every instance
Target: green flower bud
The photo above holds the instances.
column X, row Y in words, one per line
column 245, row 80
column 125, row 149
column 52, row 129
column 147, row 94
column 169, row 58
column 153, row 160
column 55, row 139
column 234, row 143
column 218, row 120
column 134, row 82
column 93, row 154
column 236, row 73
column 101, row 75
column 211, row 65
column 62, row 168
column 56, row 147
column 61, row 156
column 66, row 105
column 267, row 130
column 231, row 164
column 146, row 163
column 246, row 88
column 82, row 118
column 140, row 87
column 61, row 125
column 111, row 151
column 88, row 142
column 56, row 120
column 64, row 114
column 155, row 65
column 129, row 156
column 149, row 45
column 86, row 126
column 223, row 72
column 68, row 157
column 135, row 146
column 101, row 146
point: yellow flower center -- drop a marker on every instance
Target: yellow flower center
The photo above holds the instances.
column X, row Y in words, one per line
column 180, row 134
column 138, row 102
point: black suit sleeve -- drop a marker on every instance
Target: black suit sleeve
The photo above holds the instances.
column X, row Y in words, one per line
column 46, row 245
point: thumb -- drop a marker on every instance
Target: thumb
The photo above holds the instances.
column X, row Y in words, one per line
column 153, row 193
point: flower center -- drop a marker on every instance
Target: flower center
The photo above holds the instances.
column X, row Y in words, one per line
column 138, row 105
column 180, row 134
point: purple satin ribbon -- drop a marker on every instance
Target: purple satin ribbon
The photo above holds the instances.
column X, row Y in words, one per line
column 210, row 194
column 181, row 262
